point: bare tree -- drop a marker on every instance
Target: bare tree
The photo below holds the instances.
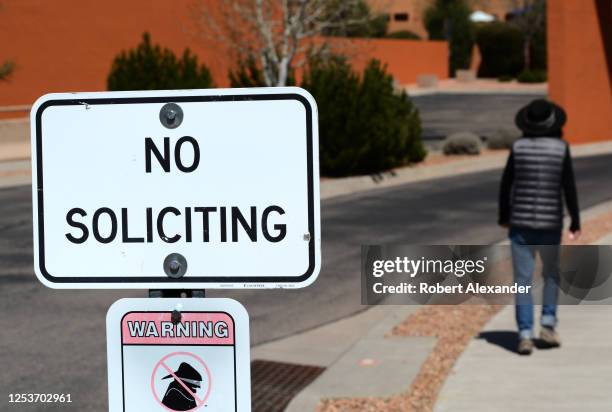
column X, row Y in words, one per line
column 275, row 32
column 530, row 19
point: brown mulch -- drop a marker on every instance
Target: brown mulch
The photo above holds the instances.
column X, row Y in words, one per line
column 439, row 158
column 592, row 230
column 454, row 326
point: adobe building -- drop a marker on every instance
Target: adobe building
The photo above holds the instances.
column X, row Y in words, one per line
column 580, row 66
column 409, row 14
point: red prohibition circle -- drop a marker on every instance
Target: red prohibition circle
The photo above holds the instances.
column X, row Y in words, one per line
column 199, row 402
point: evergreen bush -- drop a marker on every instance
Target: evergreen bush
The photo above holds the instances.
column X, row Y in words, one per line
column 501, row 50
column 149, row 67
column 248, row 74
column 450, row 20
column 532, row 76
column 357, row 20
column 365, row 127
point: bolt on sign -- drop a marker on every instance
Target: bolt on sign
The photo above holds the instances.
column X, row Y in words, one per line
column 184, row 189
column 198, row 362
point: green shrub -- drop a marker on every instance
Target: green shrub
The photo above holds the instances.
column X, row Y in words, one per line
column 355, row 21
column 461, row 143
column 539, row 50
column 364, row 126
column 502, row 139
column 404, row 34
column 377, row 26
column 501, row 50
column 530, row 19
column 532, row 76
column 505, row 78
column 450, row 20
column 149, row 67
column 248, row 74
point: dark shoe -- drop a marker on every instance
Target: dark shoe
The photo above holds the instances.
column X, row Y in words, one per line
column 525, row 346
column 549, row 337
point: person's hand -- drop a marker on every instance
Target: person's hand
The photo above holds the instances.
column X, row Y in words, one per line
column 574, row 235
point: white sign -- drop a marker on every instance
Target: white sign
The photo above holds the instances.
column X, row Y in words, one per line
column 200, row 363
column 183, row 189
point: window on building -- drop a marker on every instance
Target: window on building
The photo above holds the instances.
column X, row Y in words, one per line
column 401, row 17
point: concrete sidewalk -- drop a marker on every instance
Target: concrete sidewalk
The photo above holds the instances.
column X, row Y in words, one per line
column 576, row 377
column 15, row 173
column 360, row 359
column 14, row 139
column 490, row 375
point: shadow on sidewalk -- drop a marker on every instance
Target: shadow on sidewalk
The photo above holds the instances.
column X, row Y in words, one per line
column 505, row 339
column 508, row 340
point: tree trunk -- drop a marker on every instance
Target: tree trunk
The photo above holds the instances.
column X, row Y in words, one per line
column 268, row 71
column 283, row 72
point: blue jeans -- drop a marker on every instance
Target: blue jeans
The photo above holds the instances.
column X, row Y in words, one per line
column 525, row 244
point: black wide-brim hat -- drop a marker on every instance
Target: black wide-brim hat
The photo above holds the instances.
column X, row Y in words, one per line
column 186, row 372
column 540, row 117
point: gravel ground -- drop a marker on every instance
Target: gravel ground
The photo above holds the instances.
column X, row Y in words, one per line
column 593, row 229
column 454, row 326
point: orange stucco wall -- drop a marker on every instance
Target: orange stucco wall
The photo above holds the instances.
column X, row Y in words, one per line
column 405, row 59
column 579, row 69
column 68, row 45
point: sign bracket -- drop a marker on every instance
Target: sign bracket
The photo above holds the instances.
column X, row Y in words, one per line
column 177, row 293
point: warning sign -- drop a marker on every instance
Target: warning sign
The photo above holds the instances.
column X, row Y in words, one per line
column 196, row 361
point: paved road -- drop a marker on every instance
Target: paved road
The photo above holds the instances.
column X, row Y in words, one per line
column 54, row 341
column 442, row 114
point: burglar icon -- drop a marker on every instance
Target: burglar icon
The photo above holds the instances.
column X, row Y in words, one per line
column 180, row 395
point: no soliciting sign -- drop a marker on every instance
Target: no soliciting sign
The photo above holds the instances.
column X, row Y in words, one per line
column 176, row 189
column 200, row 363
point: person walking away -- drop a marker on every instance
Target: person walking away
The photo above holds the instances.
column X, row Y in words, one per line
column 537, row 176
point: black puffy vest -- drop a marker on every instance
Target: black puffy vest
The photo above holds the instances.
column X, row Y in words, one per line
column 537, row 196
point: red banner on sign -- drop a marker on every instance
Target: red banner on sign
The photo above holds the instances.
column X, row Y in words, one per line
column 194, row 328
